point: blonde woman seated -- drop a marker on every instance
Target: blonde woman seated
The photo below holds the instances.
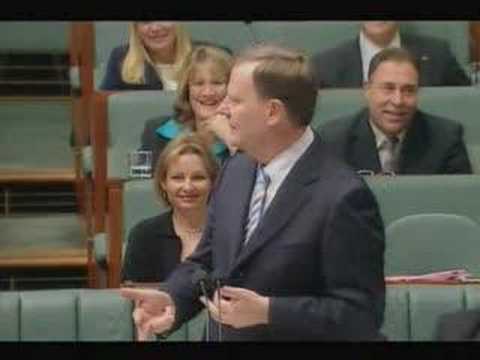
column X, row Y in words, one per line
column 202, row 88
column 151, row 60
column 183, row 179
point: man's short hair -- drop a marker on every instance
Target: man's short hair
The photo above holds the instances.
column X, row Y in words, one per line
column 395, row 54
column 284, row 74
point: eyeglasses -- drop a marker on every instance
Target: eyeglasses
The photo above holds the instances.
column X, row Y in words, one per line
column 366, row 172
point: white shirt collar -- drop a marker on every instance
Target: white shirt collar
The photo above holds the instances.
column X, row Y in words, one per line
column 380, row 136
column 368, row 50
column 279, row 167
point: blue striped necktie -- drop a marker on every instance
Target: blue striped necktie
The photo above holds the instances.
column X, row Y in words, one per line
column 257, row 202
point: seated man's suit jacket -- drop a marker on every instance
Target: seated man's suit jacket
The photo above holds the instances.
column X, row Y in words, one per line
column 432, row 145
column 317, row 252
column 459, row 326
column 341, row 66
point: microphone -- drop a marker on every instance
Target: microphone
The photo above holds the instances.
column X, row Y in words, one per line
column 207, row 287
column 201, row 279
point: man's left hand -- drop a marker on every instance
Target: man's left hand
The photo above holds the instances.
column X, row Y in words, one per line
column 238, row 307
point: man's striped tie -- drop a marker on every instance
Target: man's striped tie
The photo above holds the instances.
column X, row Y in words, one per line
column 257, row 202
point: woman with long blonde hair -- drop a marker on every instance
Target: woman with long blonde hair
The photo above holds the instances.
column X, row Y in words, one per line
column 152, row 59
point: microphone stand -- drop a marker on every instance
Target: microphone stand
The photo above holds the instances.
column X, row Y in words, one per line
column 205, row 294
column 219, row 310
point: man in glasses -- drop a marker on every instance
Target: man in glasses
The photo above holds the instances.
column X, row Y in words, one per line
column 392, row 136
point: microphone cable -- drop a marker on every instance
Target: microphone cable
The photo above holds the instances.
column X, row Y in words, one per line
column 219, row 329
column 205, row 294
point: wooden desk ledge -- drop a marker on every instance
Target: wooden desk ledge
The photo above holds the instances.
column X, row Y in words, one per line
column 74, row 258
column 16, row 176
column 46, row 262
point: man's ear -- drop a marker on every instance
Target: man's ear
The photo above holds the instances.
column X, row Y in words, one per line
column 275, row 110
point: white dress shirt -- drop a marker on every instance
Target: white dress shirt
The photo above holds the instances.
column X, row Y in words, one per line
column 279, row 167
column 368, row 50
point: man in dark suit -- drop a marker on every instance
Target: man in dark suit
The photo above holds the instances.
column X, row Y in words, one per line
column 392, row 135
column 293, row 234
column 347, row 64
column 459, row 326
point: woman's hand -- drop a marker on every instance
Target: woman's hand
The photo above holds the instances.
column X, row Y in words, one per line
column 218, row 124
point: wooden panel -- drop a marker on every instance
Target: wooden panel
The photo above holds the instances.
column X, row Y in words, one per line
column 114, row 233
column 37, row 176
column 475, row 40
column 82, row 53
column 98, row 119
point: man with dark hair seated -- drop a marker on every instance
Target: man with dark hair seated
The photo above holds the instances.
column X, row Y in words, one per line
column 392, row 135
column 347, row 64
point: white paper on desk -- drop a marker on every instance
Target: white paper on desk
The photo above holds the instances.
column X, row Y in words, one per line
column 449, row 275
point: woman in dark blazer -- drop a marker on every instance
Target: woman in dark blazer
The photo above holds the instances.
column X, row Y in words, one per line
column 183, row 180
column 152, row 60
column 202, row 87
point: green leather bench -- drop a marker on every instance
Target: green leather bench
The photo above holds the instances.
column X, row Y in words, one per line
column 411, row 314
column 75, row 315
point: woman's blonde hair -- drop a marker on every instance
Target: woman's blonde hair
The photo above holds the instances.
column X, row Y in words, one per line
column 188, row 143
column 133, row 67
column 222, row 62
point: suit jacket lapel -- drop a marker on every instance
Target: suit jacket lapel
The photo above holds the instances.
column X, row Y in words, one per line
column 416, row 47
column 414, row 144
column 239, row 203
column 363, row 149
column 290, row 196
column 356, row 68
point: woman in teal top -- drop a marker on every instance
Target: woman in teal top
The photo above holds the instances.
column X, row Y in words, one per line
column 201, row 89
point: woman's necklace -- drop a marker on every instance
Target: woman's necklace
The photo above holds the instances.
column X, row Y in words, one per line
column 185, row 230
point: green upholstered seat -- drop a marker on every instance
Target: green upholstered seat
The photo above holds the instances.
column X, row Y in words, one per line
column 35, row 134
column 424, row 243
column 334, row 103
column 127, row 113
column 411, row 314
column 405, row 195
column 308, row 36
column 34, row 36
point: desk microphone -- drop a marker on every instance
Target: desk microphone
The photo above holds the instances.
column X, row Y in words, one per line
column 208, row 287
column 201, row 279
